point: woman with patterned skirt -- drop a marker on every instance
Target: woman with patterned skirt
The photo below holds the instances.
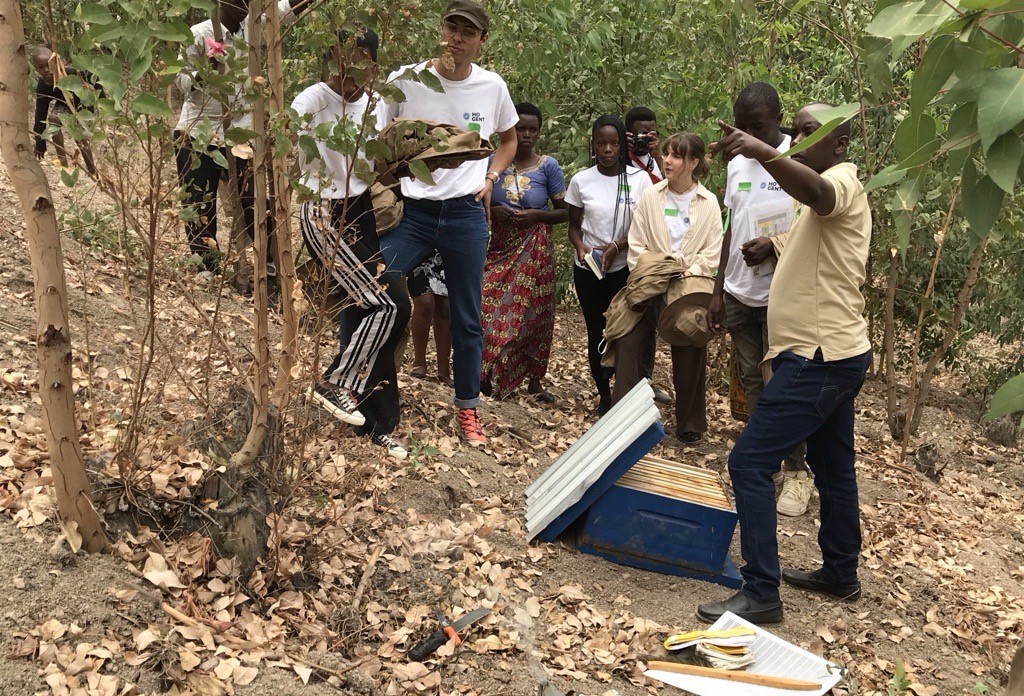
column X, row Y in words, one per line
column 518, row 309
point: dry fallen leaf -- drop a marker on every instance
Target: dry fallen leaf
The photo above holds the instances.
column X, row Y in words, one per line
column 145, row 638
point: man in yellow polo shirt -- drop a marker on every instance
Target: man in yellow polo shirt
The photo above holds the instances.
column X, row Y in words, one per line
column 819, row 353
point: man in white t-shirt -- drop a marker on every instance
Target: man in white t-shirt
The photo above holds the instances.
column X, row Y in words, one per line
column 200, row 151
column 359, row 387
column 759, row 210
column 450, row 216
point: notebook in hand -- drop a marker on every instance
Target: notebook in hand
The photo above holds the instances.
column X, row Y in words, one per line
column 593, row 260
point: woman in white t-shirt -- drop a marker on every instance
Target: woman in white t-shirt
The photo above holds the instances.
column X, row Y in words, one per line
column 601, row 202
column 679, row 217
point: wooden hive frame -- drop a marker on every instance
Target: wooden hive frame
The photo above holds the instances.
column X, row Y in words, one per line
column 676, row 480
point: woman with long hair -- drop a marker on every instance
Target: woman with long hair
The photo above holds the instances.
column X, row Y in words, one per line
column 518, row 310
column 601, row 200
column 678, row 218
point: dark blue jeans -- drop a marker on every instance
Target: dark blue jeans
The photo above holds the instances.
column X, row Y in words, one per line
column 812, row 401
column 457, row 229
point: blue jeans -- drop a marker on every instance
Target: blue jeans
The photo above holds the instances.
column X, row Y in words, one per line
column 457, row 229
column 812, row 401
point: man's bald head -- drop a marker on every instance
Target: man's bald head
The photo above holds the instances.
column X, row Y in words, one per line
column 41, row 56
column 840, row 130
column 828, row 151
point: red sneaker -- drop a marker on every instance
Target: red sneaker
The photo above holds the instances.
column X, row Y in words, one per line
column 470, row 426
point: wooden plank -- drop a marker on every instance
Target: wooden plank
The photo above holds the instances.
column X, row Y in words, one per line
column 767, row 680
column 673, row 483
column 668, row 479
column 673, row 476
column 689, row 473
column 715, row 483
column 681, row 491
column 697, row 470
column 714, row 504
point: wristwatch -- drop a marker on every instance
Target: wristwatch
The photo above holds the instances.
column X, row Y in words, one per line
column 494, row 174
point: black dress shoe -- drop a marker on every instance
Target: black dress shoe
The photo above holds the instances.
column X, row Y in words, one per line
column 744, row 607
column 811, row 580
column 661, row 396
column 604, row 405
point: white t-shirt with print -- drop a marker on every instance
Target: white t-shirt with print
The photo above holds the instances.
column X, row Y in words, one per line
column 199, row 105
column 481, row 102
column 749, row 185
column 329, row 174
column 677, row 215
column 607, row 207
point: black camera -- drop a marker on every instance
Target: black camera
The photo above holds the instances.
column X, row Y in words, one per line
column 641, row 144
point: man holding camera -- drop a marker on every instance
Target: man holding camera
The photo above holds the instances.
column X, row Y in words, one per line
column 645, row 154
column 644, row 148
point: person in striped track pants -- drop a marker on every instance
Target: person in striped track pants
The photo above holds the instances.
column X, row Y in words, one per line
column 359, row 387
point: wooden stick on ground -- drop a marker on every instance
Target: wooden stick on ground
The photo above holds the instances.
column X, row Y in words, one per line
column 328, row 670
column 735, row 675
column 364, row 581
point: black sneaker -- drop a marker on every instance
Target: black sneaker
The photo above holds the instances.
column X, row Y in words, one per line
column 386, row 441
column 811, row 580
column 338, row 403
column 690, row 437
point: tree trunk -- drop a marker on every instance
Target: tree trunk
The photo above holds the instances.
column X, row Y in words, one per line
column 53, row 338
column 261, row 350
column 282, row 220
column 963, row 301
column 889, row 346
column 915, row 358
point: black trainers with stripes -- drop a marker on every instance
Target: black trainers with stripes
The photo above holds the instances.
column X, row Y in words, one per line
column 338, row 403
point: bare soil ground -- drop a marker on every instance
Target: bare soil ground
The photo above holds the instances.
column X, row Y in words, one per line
column 941, row 565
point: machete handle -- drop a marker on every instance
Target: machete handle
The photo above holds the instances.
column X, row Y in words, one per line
column 452, row 635
column 426, row 647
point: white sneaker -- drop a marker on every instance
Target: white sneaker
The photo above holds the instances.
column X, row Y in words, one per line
column 394, row 449
column 796, row 494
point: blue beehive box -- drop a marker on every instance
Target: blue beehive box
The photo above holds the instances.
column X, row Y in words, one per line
column 665, row 517
column 615, row 470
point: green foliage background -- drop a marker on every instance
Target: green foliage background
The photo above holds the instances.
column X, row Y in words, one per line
column 911, row 64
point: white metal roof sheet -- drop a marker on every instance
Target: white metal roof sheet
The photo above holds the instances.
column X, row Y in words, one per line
column 566, row 481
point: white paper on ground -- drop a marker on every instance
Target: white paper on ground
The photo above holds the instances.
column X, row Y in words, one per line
column 772, row 655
